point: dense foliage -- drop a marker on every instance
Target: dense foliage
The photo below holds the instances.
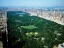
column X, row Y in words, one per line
column 48, row 34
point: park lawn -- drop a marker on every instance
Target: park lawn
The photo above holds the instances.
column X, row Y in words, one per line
column 29, row 27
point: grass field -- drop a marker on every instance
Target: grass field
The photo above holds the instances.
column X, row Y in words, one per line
column 29, row 27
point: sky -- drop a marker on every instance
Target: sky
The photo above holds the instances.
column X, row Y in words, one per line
column 43, row 3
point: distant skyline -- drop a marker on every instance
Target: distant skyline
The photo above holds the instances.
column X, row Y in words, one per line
column 43, row 3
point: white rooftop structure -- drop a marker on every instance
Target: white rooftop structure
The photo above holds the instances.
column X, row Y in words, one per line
column 61, row 45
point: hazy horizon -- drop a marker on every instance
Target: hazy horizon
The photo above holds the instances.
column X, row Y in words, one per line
column 29, row 3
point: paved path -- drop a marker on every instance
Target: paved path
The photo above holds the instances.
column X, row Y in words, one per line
column 1, row 45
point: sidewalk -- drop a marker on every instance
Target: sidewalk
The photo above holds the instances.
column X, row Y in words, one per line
column 1, row 45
